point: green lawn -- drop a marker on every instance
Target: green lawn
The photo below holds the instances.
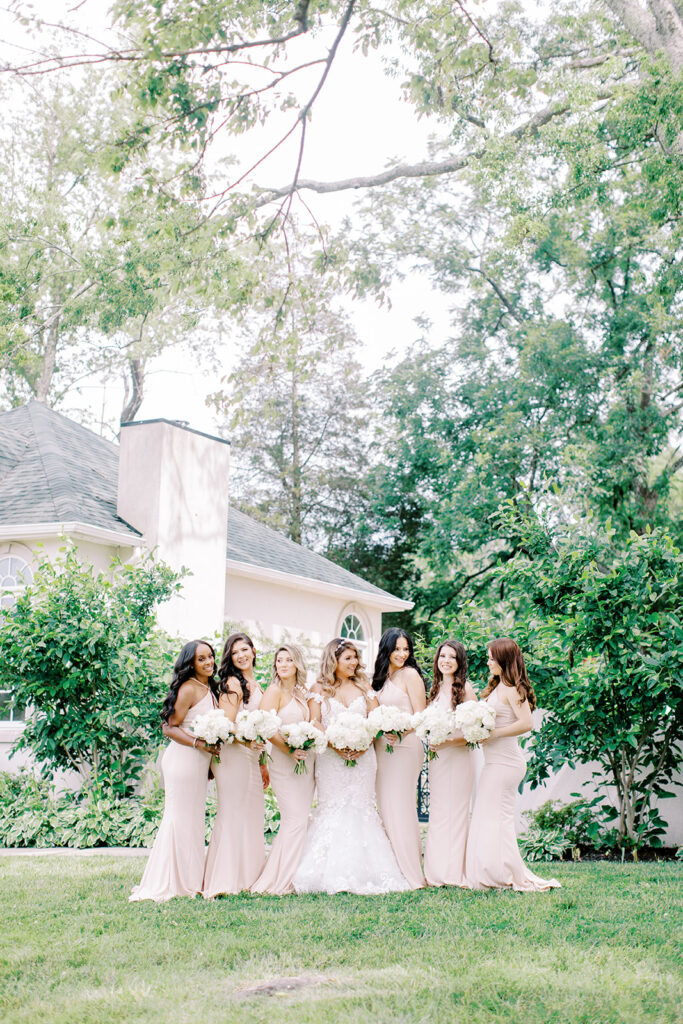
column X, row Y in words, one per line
column 605, row 948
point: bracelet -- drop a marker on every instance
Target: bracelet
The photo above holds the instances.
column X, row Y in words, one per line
column 194, row 742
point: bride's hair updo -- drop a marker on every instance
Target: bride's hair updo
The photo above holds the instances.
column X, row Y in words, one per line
column 459, row 678
column 296, row 654
column 327, row 678
column 507, row 653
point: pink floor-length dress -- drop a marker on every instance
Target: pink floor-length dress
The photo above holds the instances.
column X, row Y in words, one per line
column 236, row 851
column 176, row 864
column 294, row 796
column 396, row 790
column 493, row 857
column 451, row 778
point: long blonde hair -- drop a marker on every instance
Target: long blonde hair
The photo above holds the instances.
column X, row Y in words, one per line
column 297, row 656
column 327, row 679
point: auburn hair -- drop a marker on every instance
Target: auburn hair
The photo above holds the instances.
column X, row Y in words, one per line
column 507, row 653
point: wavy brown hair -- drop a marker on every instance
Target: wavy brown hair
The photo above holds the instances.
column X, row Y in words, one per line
column 459, row 679
column 229, row 670
column 327, row 679
column 297, row 656
column 507, row 653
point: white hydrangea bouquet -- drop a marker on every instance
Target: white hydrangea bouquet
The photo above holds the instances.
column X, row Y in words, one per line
column 256, row 727
column 434, row 726
column 214, row 728
column 475, row 719
column 302, row 736
column 350, row 731
column 388, row 718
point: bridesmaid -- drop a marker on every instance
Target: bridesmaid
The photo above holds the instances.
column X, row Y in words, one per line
column 397, row 680
column 493, row 858
column 236, row 852
column 176, row 863
column 287, row 695
column 451, row 774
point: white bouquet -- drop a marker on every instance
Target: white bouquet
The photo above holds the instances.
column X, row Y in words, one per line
column 434, row 726
column 214, row 728
column 475, row 719
column 350, row 731
column 389, row 718
column 256, row 727
column 302, row 736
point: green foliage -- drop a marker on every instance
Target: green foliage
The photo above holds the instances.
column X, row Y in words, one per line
column 555, row 828
column 83, row 651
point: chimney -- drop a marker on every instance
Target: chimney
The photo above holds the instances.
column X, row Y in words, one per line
column 173, row 488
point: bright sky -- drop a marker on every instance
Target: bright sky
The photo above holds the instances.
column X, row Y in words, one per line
column 359, row 125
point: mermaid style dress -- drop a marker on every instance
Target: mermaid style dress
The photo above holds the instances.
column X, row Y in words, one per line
column 294, row 796
column 346, row 849
column 396, row 790
column 493, row 857
column 236, row 853
column 451, row 778
column 176, row 863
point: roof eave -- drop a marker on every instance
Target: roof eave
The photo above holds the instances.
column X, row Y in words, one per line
column 79, row 531
column 383, row 602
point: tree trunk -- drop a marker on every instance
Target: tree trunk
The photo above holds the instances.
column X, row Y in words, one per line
column 295, row 517
column 47, row 370
column 134, row 389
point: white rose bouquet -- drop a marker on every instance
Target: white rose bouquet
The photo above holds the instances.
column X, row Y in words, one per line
column 302, row 736
column 350, row 731
column 388, row 718
column 256, row 727
column 475, row 719
column 214, row 728
column 434, row 726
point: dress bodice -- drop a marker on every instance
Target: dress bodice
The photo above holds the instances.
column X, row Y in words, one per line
column 502, row 749
column 254, row 700
column 443, row 698
column 394, row 695
column 207, row 702
column 331, row 708
column 295, row 711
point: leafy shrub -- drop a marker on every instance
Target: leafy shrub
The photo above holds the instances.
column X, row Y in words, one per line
column 555, row 827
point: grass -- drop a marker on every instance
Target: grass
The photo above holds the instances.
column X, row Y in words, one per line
column 604, row 949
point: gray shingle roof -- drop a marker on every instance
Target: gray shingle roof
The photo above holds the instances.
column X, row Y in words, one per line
column 53, row 470
column 255, row 544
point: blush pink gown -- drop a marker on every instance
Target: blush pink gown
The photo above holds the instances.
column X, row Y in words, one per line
column 236, row 851
column 176, row 863
column 294, row 796
column 493, row 857
column 396, row 791
column 451, row 778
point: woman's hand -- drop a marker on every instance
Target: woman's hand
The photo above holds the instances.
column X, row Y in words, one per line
column 213, row 749
column 349, row 755
column 255, row 745
column 392, row 738
column 298, row 754
column 265, row 776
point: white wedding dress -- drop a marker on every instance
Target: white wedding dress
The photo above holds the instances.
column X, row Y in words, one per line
column 346, row 848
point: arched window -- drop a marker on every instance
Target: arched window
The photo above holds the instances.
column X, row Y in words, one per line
column 352, row 629
column 15, row 574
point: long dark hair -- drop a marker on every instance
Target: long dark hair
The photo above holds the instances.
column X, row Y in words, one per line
column 507, row 653
column 228, row 668
column 459, row 677
column 387, row 645
column 184, row 670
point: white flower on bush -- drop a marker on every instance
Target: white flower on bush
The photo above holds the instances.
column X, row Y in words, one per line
column 475, row 719
column 389, row 718
column 214, row 728
column 302, row 736
column 256, row 727
column 434, row 726
column 350, row 731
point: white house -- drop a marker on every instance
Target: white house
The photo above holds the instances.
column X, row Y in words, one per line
column 166, row 487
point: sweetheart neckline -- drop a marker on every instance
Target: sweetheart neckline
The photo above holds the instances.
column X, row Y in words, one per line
column 347, row 706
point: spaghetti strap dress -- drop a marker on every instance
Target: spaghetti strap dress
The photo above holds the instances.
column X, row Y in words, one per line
column 294, row 796
column 396, row 790
column 493, row 857
column 451, row 777
column 176, row 864
column 236, row 853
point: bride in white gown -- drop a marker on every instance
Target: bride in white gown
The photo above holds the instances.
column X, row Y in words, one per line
column 346, row 849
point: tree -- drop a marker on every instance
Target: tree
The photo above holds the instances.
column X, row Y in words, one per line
column 83, row 653
column 296, row 407
column 604, row 635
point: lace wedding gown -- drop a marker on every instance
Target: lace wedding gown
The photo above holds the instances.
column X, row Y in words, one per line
column 347, row 849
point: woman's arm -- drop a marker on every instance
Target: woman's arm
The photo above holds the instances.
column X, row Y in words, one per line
column 172, row 729
column 415, row 689
column 524, row 721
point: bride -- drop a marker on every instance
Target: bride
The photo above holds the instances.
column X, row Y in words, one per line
column 346, row 847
